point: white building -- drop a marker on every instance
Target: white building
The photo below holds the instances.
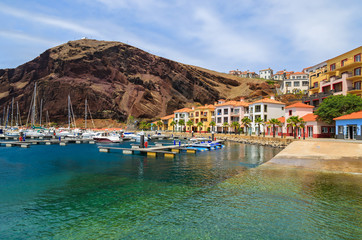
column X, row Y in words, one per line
column 297, row 82
column 181, row 114
column 228, row 112
column 265, row 109
column 266, row 73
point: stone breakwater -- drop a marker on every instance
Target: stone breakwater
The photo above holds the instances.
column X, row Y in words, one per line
column 259, row 140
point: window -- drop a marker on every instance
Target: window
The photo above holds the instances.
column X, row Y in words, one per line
column 288, row 84
column 337, row 87
column 299, row 77
column 236, row 111
column 290, row 112
column 296, row 84
column 226, row 111
column 357, row 58
column 305, row 83
column 343, row 62
column 265, row 108
column 265, row 118
column 257, row 108
column 357, row 85
column 357, row 71
column 340, row 129
column 315, row 84
column 219, row 112
column 225, row 119
column 196, row 114
column 219, row 120
column 331, row 129
column 332, row 66
column 324, row 129
column 282, row 108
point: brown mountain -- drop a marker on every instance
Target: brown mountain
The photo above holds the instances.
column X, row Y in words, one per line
column 117, row 79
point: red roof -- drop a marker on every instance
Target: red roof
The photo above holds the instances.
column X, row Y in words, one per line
column 310, row 117
column 281, row 119
column 299, row 105
column 184, row 110
column 355, row 115
column 168, row 117
column 268, row 100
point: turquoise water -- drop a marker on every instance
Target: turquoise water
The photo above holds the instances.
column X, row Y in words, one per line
column 75, row 192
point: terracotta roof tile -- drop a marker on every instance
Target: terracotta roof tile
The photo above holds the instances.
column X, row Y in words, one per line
column 281, row 119
column 268, row 100
column 355, row 115
column 299, row 105
column 183, row 110
column 168, row 117
column 310, row 117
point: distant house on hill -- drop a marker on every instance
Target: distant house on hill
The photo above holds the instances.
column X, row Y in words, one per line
column 244, row 74
column 266, row 73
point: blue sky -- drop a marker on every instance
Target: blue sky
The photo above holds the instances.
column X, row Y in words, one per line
column 215, row 34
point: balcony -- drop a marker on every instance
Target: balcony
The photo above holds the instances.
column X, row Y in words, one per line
column 353, row 77
column 354, row 90
column 317, row 96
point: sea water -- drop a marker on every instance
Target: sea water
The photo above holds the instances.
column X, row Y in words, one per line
column 76, row 192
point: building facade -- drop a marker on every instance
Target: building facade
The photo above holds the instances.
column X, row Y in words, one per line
column 228, row 112
column 349, row 126
column 266, row 73
column 182, row 114
column 297, row 82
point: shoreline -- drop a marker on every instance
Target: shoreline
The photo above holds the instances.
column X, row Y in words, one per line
column 329, row 155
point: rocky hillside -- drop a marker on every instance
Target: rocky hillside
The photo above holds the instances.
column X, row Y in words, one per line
column 117, row 79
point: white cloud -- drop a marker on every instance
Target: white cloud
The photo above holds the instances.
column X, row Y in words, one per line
column 26, row 37
column 47, row 20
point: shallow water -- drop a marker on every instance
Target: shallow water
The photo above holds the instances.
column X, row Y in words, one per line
column 75, row 192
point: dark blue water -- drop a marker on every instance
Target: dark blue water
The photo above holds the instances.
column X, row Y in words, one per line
column 76, row 192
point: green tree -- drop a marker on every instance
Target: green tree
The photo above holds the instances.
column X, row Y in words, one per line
column 225, row 125
column 258, row 122
column 235, row 125
column 142, row 125
column 182, row 124
column 159, row 125
column 274, row 122
column 302, row 126
column 294, row 122
column 213, row 124
column 199, row 125
column 246, row 122
column 190, row 124
column 172, row 124
column 338, row 105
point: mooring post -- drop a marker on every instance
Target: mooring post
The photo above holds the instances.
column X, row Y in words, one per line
column 212, row 136
column 142, row 141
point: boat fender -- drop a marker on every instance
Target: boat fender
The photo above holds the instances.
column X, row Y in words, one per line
column 146, row 144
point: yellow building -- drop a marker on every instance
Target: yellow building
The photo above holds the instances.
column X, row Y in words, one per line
column 344, row 73
column 317, row 74
column 202, row 114
column 167, row 122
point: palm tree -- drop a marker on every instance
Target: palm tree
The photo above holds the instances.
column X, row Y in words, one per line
column 302, row 125
column 274, row 122
column 172, row 124
column 190, row 124
column 182, row 124
column 159, row 124
column 293, row 122
column 258, row 121
column 281, row 128
column 199, row 125
column 246, row 122
column 213, row 124
column 225, row 125
column 236, row 126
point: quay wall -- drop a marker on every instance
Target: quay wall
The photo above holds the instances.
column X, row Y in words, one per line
column 259, row 140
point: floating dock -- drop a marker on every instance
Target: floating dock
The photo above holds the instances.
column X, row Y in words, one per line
column 62, row 142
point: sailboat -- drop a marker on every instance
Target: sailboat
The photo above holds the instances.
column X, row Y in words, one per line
column 87, row 133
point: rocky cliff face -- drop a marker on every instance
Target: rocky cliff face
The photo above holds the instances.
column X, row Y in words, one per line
column 117, row 79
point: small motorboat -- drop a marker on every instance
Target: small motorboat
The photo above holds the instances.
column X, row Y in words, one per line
column 107, row 137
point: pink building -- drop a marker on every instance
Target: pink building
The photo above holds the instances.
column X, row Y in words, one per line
column 313, row 128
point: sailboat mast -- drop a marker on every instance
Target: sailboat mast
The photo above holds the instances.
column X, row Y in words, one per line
column 7, row 116
column 17, row 114
column 12, row 111
column 41, row 111
column 85, row 114
column 47, row 118
column 34, row 108
column 69, row 111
